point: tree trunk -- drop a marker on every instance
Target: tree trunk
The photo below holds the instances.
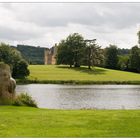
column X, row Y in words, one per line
column 89, row 67
column 76, row 65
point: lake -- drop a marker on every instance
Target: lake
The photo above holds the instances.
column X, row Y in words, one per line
column 53, row 96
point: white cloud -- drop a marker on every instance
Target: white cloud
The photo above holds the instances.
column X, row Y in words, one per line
column 46, row 24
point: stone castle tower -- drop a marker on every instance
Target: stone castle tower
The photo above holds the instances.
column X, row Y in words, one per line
column 50, row 55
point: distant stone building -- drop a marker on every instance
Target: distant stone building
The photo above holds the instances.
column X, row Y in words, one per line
column 50, row 56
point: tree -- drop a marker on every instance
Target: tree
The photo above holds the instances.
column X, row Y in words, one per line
column 70, row 50
column 123, row 62
column 93, row 53
column 111, row 57
column 33, row 55
column 64, row 54
column 11, row 56
column 20, row 69
column 134, row 64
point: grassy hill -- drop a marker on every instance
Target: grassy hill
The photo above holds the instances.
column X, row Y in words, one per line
column 32, row 54
column 64, row 74
column 34, row 122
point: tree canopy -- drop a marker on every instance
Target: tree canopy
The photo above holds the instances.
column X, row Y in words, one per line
column 111, row 57
column 11, row 56
column 70, row 50
column 93, row 54
column 134, row 64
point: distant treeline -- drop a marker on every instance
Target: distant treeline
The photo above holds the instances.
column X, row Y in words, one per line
column 123, row 51
column 75, row 51
column 33, row 55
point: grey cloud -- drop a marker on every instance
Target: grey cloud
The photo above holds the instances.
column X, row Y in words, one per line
column 105, row 21
column 12, row 34
column 116, row 15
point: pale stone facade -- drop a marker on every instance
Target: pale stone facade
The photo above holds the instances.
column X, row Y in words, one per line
column 50, row 55
column 7, row 84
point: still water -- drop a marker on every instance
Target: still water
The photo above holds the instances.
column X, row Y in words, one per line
column 54, row 96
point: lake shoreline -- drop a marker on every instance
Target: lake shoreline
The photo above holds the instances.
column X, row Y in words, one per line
column 76, row 82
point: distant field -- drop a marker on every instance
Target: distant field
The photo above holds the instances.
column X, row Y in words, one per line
column 54, row 73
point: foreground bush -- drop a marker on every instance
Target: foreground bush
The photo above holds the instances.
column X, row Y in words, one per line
column 24, row 100
column 14, row 59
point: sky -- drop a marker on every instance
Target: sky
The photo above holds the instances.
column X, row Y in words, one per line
column 44, row 24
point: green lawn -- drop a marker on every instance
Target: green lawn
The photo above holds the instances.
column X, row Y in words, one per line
column 33, row 122
column 64, row 73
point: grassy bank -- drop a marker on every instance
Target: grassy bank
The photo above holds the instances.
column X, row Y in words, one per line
column 64, row 74
column 34, row 122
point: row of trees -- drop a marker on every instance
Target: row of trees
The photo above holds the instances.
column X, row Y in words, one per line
column 128, row 62
column 76, row 51
column 11, row 56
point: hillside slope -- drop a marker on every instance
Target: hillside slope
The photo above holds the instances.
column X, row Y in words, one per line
column 64, row 73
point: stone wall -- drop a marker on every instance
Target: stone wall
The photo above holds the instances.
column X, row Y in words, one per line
column 50, row 55
column 7, row 84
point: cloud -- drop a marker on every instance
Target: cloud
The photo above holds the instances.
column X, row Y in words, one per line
column 44, row 24
column 118, row 15
column 11, row 28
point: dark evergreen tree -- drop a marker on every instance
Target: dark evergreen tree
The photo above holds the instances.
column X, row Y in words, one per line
column 111, row 57
column 134, row 64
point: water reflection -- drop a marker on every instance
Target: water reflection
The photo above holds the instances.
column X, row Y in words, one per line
column 84, row 96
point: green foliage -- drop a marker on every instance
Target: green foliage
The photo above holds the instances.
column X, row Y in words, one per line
column 64, row 54
column 111, row 57
column 70, row 50
column 12, row 57
column 24, row 100
column 93, row 54
column 123, row 63
column 33, row 55
column 123, row 51
column 20, row 69
column 135, row 59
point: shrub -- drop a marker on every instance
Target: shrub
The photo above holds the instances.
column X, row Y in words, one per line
column 20, row 70
column 14, row 59
column 24, row 100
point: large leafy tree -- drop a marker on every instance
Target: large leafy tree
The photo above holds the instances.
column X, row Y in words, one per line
column 93, row 53
column 11, row 56
column 111, row 57
column 134, row 64
column 70, row 50
column 64, row 54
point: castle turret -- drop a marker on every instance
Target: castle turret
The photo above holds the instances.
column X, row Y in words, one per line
column 50, row 56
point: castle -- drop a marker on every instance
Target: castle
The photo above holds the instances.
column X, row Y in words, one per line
column 38, row 55
column 50, row 56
